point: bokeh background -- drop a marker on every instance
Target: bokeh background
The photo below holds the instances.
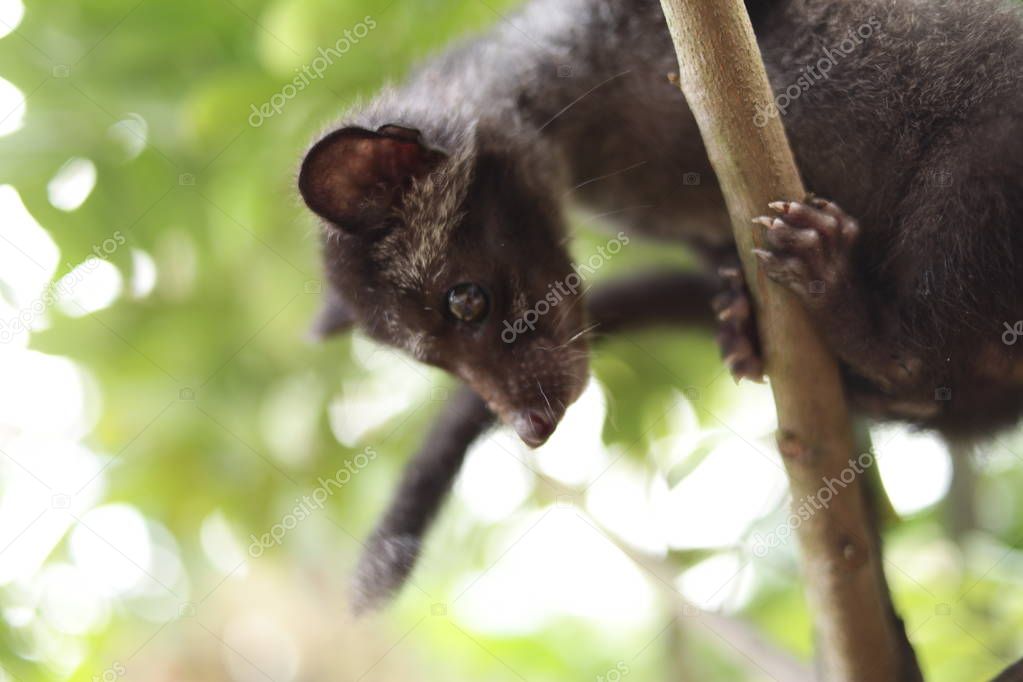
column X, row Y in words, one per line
column 161, row 410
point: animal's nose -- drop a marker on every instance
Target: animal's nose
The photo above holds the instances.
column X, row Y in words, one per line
column 533, row 426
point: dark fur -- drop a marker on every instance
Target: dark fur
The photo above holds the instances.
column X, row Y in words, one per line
column 392, row 550
column 1013, row 674
column 916, row 134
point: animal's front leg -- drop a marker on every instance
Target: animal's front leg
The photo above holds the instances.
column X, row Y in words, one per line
column 808, row 248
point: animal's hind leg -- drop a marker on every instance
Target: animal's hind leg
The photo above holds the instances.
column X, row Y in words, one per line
column 737, row 326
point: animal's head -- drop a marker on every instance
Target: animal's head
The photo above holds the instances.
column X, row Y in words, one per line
column 456, row 257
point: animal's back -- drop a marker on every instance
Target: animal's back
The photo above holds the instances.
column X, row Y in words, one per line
column 925, row 83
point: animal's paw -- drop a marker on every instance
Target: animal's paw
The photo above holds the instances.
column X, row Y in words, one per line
column 807, row 247
column 737, row 329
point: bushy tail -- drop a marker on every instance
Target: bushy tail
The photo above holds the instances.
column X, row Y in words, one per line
column 393, row 548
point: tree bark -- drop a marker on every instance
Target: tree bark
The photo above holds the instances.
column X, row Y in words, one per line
column 723, row 78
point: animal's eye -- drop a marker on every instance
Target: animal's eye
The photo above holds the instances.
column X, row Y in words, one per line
column 468, row 302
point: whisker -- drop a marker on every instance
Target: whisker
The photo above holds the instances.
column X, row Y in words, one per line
column 598, row 178
column 571, row 354
column 583, row 96
column 578, row 299
column 550, row 410
column 596, row 217
column 581, row 332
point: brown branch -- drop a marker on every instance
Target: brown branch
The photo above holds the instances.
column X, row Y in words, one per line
column 723, row 77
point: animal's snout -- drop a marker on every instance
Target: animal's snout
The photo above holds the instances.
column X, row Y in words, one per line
column 533, row 427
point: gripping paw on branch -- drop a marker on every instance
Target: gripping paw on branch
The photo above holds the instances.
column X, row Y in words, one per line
column 807, row 247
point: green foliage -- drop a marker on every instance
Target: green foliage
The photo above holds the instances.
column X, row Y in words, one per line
column 212, row 412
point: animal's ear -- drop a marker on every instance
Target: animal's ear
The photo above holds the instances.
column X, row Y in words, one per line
column 353, row 177
column 335, row 316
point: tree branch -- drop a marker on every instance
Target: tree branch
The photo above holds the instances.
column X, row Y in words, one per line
column 758, row 655
column 723, row 78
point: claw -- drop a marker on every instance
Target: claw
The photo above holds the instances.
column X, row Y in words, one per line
column 737, row 309
column 737, row 333
column 741, row 367
column 806, row 248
